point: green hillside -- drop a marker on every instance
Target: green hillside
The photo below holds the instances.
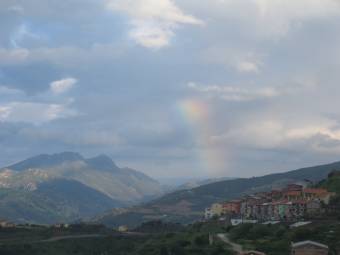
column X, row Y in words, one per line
column 66, row 186
column 54, row 201
column 331, row 184
column 188, row 205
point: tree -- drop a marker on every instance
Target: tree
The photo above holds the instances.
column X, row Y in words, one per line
column 163, row 251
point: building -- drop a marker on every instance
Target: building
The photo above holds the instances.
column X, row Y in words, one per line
column 294, row 187
column 309, row 248
column 298, row 209
column 253, row 253
column 275, row 195
column 322, row 194
column 6, row 224
column 217, row 209
column 300, row 224
column 232, row 207
column 282, row 210
column 295, row 202
column 250, row 207
column 292, row 195
column 207, row 213
column 314, row 207
column 123, row 229
column 236, row 222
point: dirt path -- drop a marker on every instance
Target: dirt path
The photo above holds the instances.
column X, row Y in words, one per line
column 59, row 238
column 236, row 247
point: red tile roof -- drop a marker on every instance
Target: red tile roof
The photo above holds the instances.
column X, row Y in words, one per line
column 315, row 191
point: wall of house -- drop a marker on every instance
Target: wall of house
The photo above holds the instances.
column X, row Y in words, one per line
column 309, row 250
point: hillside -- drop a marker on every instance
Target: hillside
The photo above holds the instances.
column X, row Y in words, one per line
column 332, row 183
column 66, row 186
column 187, row 205
column 53, row 201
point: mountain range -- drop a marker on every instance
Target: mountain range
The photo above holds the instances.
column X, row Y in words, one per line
column 66, row 186
column 187, row 205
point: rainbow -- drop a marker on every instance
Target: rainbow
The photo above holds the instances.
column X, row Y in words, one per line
column 197, row 116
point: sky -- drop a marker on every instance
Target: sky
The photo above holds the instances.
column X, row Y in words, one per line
column 173, row 88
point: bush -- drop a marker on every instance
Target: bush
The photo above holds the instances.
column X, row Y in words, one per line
column 241, row 231
column 258, row 231
column 301, row 234
column 201, row 240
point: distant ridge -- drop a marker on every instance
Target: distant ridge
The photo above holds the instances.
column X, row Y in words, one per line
column 46, row 160
column 66, row 186
column 188, row 205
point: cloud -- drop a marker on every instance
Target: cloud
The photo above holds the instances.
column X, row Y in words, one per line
column 63, row 56
column 266, row 72
column 233, row 93
column 62, row 86
column 280, row 16
column 19, row 107
column 16, row 9
column 73, row 137
column 279, row 134
column 247, row 67
column 22, row 33
column 36, row 113
column 265, row 19
column 238, row 59
column 4, row 112
column 153, row 22
column 6, row 91
column 13, row 56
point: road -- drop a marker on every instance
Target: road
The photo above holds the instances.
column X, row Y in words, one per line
column 236, row 247
column 79, row 236
column 59, row 238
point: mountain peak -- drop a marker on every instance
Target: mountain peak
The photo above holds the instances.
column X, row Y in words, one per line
column 46, row 160
column 102, row 162
column 67, row 156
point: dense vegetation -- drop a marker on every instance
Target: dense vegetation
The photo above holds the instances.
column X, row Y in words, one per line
column 276, row 239
column 193, row 240
column 331, row 184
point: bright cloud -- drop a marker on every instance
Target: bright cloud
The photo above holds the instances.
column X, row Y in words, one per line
column 279, row 16
column 62, row 86
column 242, row 61
column 247, row 67
column 4, row 112
column 233, row 93
column 268, row 19
column 22, row 32
column 153, row 21
column 278, row 134
column 36, row 113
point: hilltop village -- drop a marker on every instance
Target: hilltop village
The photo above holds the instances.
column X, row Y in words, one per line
column 293, row 203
